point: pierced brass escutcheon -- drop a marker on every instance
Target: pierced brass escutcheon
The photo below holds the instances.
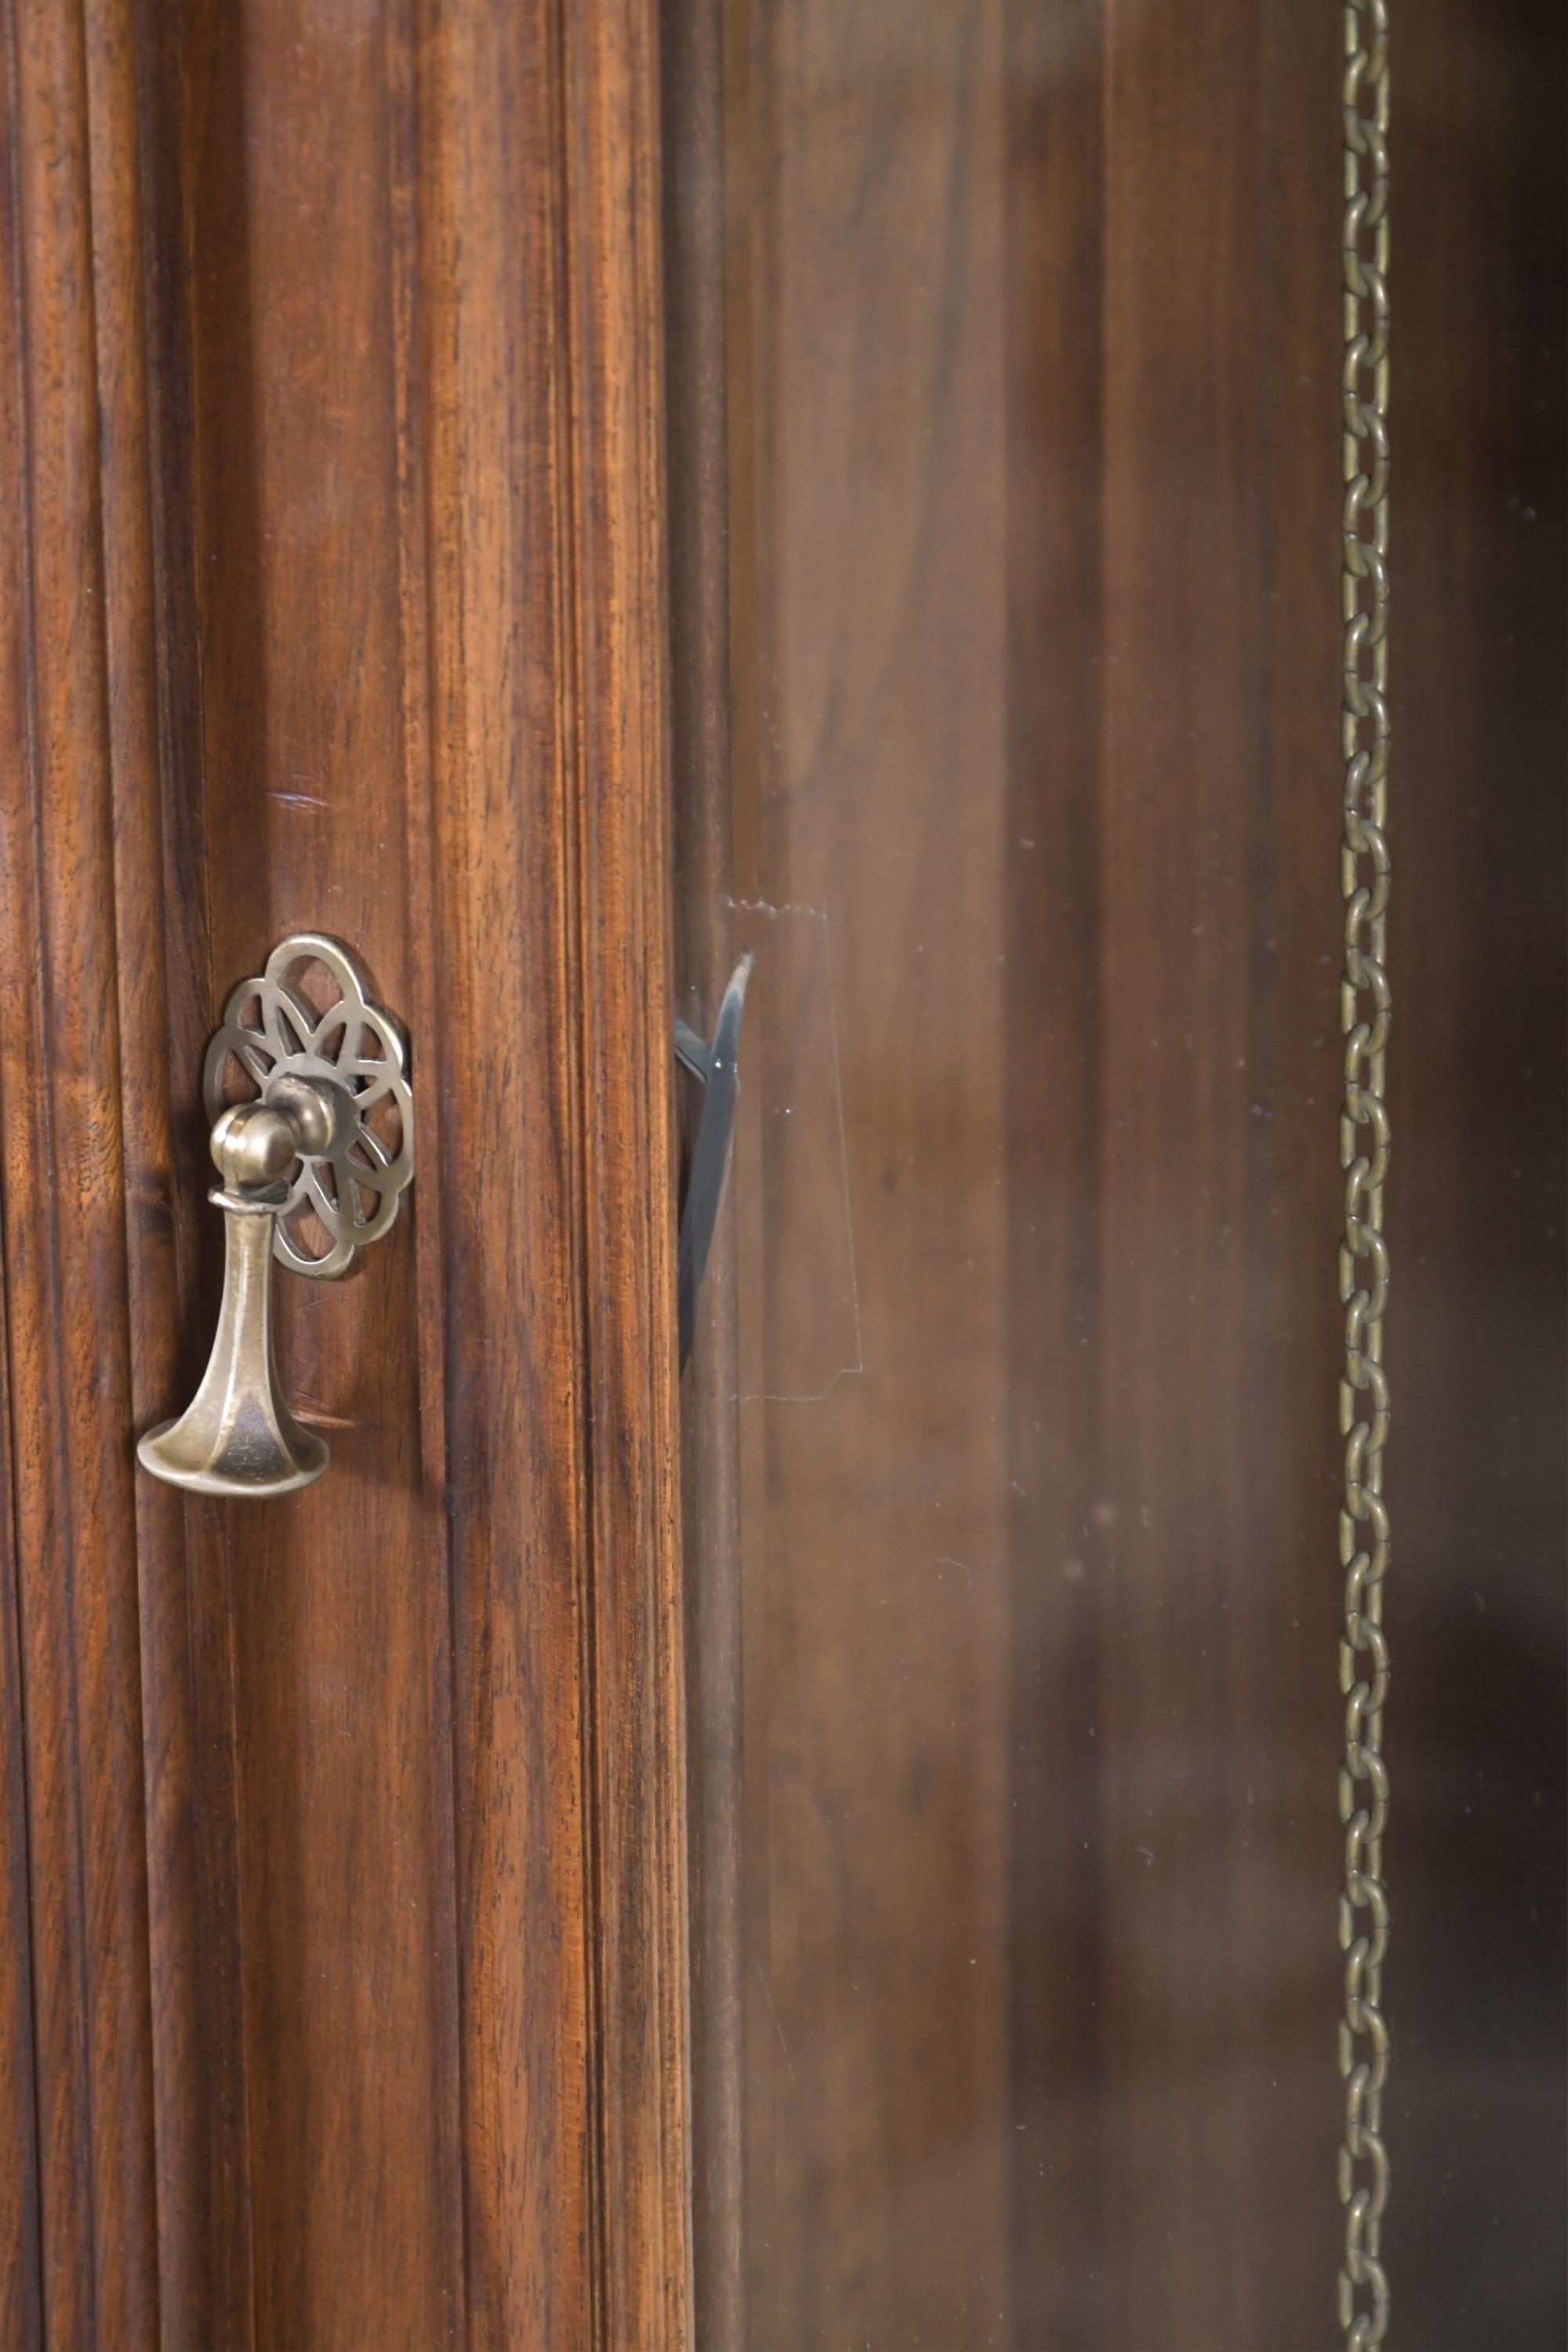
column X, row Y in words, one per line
column 303, row 1153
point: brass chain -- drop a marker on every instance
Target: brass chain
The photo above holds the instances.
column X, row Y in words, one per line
column 1363, row 1155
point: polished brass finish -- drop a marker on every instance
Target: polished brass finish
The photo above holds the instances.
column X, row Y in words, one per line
column 305, row 1143
column 238, row 1436
column 1363, row 2300
column 336, row 1071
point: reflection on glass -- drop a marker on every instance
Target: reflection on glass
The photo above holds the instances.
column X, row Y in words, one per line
column 1034, row 330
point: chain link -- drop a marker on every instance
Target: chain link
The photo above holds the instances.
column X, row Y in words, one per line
column 1363, row 1155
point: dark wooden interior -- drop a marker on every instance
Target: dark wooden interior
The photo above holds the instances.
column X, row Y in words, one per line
column 1033, row 423
column 1476, row 1208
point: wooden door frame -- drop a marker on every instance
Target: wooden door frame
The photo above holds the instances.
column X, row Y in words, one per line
column 522, row 201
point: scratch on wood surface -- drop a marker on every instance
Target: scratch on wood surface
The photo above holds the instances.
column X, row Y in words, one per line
column 778, row 2029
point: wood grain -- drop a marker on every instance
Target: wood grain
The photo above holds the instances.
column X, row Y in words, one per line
column 338, row 1597
column 75, row 704
column 868, row 397
column 1035, row 320
column 352, row 2006
column 619, row 824
column 1217, row 1190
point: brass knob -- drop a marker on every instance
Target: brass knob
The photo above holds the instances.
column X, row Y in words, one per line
column 307, row 1142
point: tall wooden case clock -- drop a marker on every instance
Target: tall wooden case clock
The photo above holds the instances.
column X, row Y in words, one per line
column 507, row 507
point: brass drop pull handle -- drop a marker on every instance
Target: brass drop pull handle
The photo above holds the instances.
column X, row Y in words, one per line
column 324, row 1152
